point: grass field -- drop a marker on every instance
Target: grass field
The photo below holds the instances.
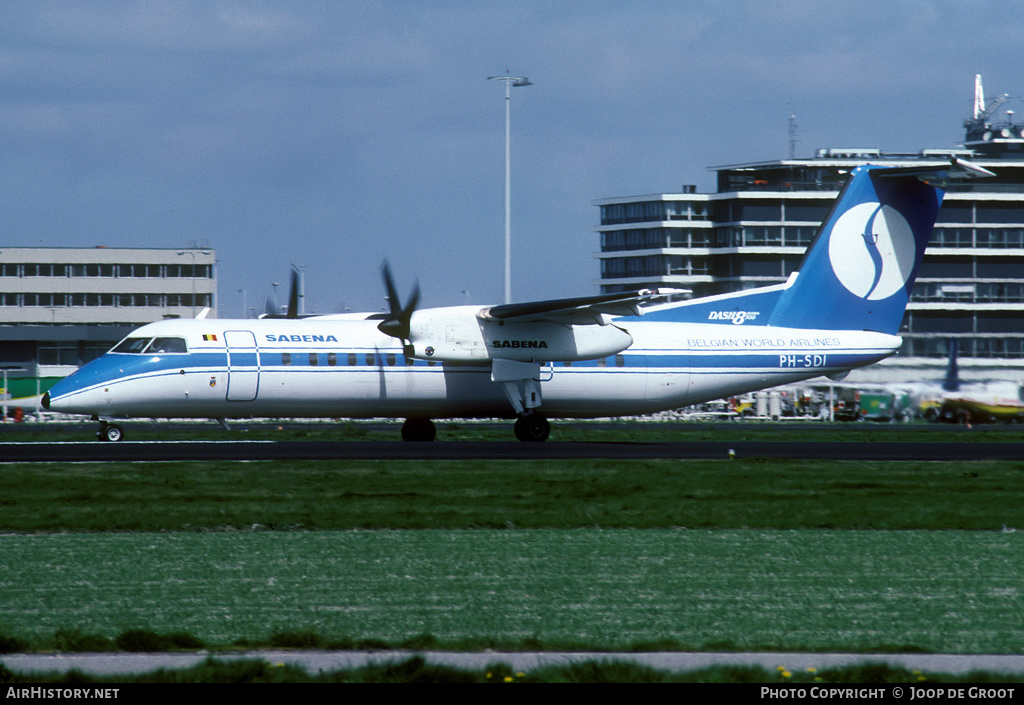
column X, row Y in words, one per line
column 338, row 495
column 744, row 554
column 584, row 588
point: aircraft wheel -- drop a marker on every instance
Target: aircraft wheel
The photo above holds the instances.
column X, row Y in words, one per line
column 533, row 428
column 419, row 430
column 111, row 432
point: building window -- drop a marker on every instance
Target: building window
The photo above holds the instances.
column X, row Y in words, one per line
column 92, row 270
column 43, row 270
column 1000, row 213
column 1001, row 238
column 57, row 354
column 807, row 212
column 44, row 300
column 954, row 212
column 1005, row 269
column 952, row 237
column 760, row 235
column 757, row 210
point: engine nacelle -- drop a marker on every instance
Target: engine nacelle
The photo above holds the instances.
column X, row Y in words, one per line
column 550, row 341
column 467, row 338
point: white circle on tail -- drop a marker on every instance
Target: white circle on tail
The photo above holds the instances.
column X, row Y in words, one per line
column 872, row 250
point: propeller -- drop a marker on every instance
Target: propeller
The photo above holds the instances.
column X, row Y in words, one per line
column 398, row 322
column 271, row 309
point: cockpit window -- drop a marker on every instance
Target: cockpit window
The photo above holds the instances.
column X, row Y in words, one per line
column 149, row 346
column 166, row 345
column 131, row 345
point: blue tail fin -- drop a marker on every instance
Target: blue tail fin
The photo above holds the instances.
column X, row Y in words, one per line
column 858, row 272
column 860, row 269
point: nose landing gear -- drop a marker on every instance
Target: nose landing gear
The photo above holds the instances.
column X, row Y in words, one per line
column 110, row 432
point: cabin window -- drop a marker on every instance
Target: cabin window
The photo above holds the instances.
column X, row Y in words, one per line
column 391, row 360
column 314, row 359
column 352, row 359
column 167, row 345
column 620, row 361
column 286, row 359
column 371, row 360
column 332, row 359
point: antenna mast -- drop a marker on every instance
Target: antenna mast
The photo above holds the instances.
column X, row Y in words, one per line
column 792, row 135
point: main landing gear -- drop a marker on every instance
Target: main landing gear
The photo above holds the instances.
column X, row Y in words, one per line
column 529, row 428
column 418, row 429
column 532, row 428
column 110, row 432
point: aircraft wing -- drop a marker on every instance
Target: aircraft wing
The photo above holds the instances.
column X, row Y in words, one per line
column 581, row 310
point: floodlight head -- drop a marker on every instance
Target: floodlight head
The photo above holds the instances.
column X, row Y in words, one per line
column 513, row 81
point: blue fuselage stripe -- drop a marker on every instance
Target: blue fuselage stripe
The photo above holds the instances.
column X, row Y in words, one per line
column 115, row 367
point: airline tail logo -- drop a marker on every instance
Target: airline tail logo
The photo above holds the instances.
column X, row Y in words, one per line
column 872, row 251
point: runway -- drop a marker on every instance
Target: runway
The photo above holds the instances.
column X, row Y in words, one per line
column 143, row 451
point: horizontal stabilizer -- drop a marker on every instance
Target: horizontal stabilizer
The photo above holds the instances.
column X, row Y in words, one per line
column 938, row 175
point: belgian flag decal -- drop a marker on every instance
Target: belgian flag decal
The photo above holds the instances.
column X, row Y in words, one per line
column 209, row 338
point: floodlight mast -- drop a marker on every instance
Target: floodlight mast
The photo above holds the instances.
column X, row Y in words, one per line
column 510, row 83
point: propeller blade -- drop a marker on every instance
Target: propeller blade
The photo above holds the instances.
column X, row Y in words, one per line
column 414, row 299
column 293, row 295
column 398, row 323
column 389, row 285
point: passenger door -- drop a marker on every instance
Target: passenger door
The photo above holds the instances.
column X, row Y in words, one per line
column 243, row 365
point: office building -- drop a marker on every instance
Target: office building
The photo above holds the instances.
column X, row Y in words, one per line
column 753, row 230
column 61, row 307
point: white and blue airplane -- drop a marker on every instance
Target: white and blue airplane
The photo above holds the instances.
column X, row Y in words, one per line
column 594, row 356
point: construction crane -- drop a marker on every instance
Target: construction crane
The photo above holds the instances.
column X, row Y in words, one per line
column 982, row 112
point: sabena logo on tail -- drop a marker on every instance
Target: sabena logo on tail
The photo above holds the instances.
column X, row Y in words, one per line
column 872, row 251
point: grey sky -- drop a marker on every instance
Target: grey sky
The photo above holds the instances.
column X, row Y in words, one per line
column 334, row 134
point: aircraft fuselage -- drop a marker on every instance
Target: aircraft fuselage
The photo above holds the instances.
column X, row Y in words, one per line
column 348, row 368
